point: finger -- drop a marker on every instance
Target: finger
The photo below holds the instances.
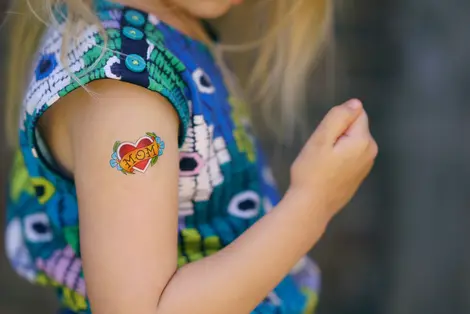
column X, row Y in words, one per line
column 339, row 120
column 360, row 127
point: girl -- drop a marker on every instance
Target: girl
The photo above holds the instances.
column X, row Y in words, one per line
column 137, row 187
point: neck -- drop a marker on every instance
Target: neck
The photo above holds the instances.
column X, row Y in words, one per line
column 171, row 15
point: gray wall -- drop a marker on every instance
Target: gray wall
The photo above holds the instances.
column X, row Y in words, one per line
column 400, row 246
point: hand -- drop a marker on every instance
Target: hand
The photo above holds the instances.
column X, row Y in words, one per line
column 336, row 159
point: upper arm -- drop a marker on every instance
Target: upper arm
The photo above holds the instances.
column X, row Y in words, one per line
column 128, row 223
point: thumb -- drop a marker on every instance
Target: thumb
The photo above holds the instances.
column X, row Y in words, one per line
column 339, row 120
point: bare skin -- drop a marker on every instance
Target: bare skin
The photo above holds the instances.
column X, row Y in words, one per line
column 128, row 223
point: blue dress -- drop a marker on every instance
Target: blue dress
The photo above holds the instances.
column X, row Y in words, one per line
column 224, row 184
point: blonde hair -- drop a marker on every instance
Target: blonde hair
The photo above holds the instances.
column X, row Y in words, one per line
column 286, row 43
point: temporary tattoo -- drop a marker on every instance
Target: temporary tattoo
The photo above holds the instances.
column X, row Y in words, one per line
column 130, row 157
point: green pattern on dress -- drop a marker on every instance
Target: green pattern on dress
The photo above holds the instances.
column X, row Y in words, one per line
column 242, row 138
column 95, row 60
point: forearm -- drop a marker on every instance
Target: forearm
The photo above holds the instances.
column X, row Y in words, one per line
column 241, row 275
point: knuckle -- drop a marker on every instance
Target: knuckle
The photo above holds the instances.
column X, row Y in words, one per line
column 363, row 143
column 374, row 148
column 362, row 148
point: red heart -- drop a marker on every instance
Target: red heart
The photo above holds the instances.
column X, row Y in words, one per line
column 127, row 147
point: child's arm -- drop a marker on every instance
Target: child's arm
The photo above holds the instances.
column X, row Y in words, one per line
column 128, row 223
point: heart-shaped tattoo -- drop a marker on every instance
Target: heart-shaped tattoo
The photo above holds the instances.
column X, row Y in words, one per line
column 129, row 157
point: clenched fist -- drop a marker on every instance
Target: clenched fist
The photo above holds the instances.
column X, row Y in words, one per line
column 336, row 159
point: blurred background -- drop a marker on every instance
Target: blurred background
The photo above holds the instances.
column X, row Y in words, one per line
column 401, row 246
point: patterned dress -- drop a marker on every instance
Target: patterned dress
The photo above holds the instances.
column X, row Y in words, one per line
column 224, row 184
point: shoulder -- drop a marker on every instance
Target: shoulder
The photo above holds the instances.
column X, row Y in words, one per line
column 124, row 46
